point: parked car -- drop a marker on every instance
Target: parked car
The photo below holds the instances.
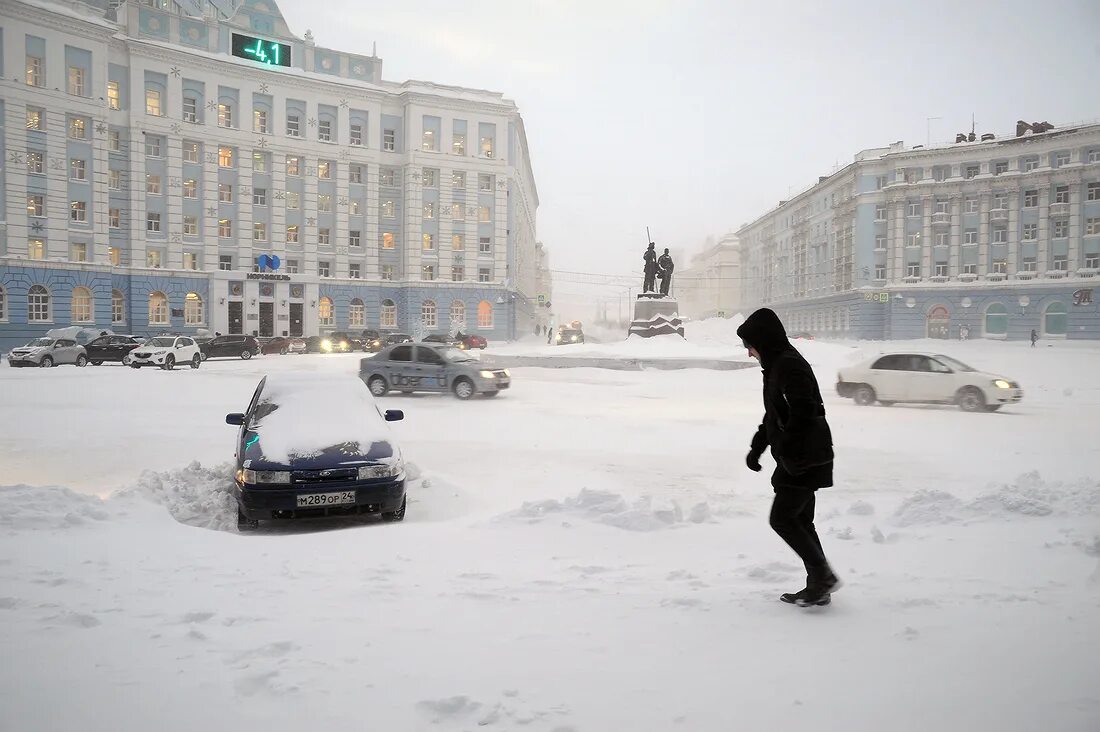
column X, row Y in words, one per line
column 47, row 352
column 279, row 344
column 166, row 352
column 567, row 336
column 313, row 344
column 444, row 338
column 297, row 345
column 230, row 346
column 470, row 341
column 113, row 348
column 391, row 339
column 926, row 378
column 802, row 336
column 297, row 457
column 368, row 337
column 409, row 367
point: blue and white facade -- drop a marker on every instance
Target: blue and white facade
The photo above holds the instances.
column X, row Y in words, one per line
column 991, row 239
column 146, row 169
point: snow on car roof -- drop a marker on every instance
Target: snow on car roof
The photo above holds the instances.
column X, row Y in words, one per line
column 315, row 413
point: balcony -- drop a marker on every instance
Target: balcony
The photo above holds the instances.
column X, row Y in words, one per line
column 1059, row 209
column 995, row 276
column 1056, row 274
column 998, row 214
column 967, row 277
column 941, row 218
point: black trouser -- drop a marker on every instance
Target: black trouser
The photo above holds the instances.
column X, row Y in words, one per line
column 792, row 518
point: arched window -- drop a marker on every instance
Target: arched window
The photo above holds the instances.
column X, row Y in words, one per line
column 81, row 306
column 3, row 305
column 484, row 314
column 427, row 314
column 118, row 307
column 458, row 315
column 193, row 313
column 356, row 314
column 325, row 313
column 1054, row 319
column 158, row 309
column 996, row 320
column 389, row 314
column 38, row 305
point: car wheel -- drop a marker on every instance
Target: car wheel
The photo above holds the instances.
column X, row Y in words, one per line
column 491, row 393
column 864, row 396
column 378, row 386
column 245, row 355
column 244, row 523
column 282, row 351
column 96, row 363
column 81, row 360
column 45, row 363
column 135, row 365
column 993, row 407
column 398, row 515
column 886, row 404
column 464, row 389
column 169, row 363
column 203, row 356
column 196, row 361
column 971, row 400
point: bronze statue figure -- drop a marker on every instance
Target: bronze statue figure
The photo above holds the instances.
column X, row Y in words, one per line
column 665, row 267
column 650, row 257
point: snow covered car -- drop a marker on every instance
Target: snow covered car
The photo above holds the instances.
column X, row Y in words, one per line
column 471, row 341
column 409, row 367
column 47, row 352
column 165, row 352
column 926, row 378
column 298, row 457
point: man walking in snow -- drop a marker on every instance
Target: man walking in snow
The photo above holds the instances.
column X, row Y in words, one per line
column 795, row 428
column 1034, row 337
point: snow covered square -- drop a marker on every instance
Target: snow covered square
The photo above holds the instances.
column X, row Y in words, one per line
column 585, row 552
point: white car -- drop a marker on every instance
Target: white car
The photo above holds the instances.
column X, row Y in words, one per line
column 166, row 352
column 47, row 352
column 926, row 378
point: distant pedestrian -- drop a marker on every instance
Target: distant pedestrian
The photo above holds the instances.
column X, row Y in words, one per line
column 1034, row 337
column 795, row 428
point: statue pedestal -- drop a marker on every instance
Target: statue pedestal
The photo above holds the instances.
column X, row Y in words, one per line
column 656, row 315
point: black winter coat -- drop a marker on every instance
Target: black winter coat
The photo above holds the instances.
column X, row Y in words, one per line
column 794, row 423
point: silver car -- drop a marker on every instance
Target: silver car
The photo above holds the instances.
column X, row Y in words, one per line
column 409, row 367
column 47, row 352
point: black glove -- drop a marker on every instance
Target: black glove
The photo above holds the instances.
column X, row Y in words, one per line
column 753, row 461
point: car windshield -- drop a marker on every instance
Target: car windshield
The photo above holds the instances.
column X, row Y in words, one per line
column 456, row 355
column 41, row 342
column 161, row 342
column 953, row 364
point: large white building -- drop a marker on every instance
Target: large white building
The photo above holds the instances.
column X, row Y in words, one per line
column 195, row 164
column 991, row 237
column 710, row 286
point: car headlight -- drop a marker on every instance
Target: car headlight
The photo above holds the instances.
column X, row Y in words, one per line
column 507, row 373
column 326, row 345
column 1002, row 384
column 574, row 339
column 254, row 477
column 486, row 374
column 377, row 343
column 371, row 472
column 559, row 338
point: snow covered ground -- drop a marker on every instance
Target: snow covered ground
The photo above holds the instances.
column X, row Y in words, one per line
column 585, row 552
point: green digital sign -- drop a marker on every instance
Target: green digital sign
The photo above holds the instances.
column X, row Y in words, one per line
column 269, row 53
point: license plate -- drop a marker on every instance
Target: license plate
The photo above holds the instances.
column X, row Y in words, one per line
column 309, row 500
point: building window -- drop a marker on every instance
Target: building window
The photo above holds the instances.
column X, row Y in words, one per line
column 458, row 315
column 259, row 231
column 293, row 126
column 387, row 240
column 158, row 309
column 430, row 177
column 1000, row 236
column 429, row 210
column 1061, row 194
column 880, row 271
column 152, row 184
column 1054, row 319
column 970, row 206
column 1000, row 201
column 193, row 313
column 353, row 271
column 1060, row 159
column 355, row 174
column 429, row 242
column 485, row 183
column 972, row 171
column 1092, row 226
column 292, row 200
column 76, row 82
column 1094, row 156
column 355, row 135
column 880, row 212
column 36, row 119
column 324, row 203
column 79, row 252
column 458, row 273
column 387, row 177
column 292, row 234
column 225, row 228
column 458, row 212
column 259, row 121
column 36, row 205
column 153, row 258
column 387, row 272
column 114, row 218
column 77, row 128
column 323, row 237
column 1060, row 263
column 970, row 236
column 458, row 243
column 1031, row 232
column 881, row 182
column 484, row 215
column 458, row 179
column 388, row 210
column 114, row 140
column 915, row 208
column 428, row 314
column 356, row 310
column 260, row 161
column 389, row 140
column 486, row 147
column 1000, row 266
column 153, row 146
column 389, row 309
column 970, row 269
column 225, row 115
column 114, row 256
column 259, row 196
column 943, row 239
column 118, row 308
column 324, row 169
column 225, row 262
column 485, row 245
column 190, row 225
column 78, row 169
column 190, row 188
column 38, row 305
column 912, row 269
column 484, row 314
column 190, row 260
column 428, row 143
column 1061, row 229
column 36, row 249
column 941, row 269
column 427, row 272
column 190, row 151
column 35, row 163
column 1030, row 265
column 458, row 144
column 225, row 192
column 225, row 157
column 292, row 266
column 323, row 269
column 1030, row 164
column 35, row 75
column 324, row 130
column 1000, row 167
column 1092, row 261
column 152, row 103
column 354, row 239
column 325, row 310
column 355, row 207
column 78, row 211
column 880, row 243
column 190, row 109
column 1031, row 199
column 484, row 274
column 1093, row 192
column 913, row 239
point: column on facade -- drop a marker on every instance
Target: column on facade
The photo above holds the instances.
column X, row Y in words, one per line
column 209, row 200
column 955, row 256
column 99, row 201
column 985, row 231
column 308, row 233
column 57, row 186
column 372, row 221
column 927, row 242
column 500, row 225
column 341, row 227
column 276, row 201
column 173, row 190
column 1013, row 228
column 249, row 249
column 413, row 223
column 1042, row 247
column 1074, row 251
column 134, row 186
column 896, row 239
column 18, row 225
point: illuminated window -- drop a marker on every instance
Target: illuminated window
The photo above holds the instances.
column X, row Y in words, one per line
column 225, row 157
column 458, row 243
column 35, row 163
column 429, row 242
column 259, row 121
column 77, row 128
column 152, row 103
column 259, row 231
column 324, row 203
column 158, row 309
column 190, row 188
column 484, row 314
column 325, row 310
column 77, row 86
column 387, row 240
column 292, row 234
column 484, row 215
column 115, row 256
column 324, row 169
column 293, row 165
column 458, row 179
column 225, row 228
column 458, row 144
column 118, row 307
column 78, row 211
column 114, row 218
column 190, row 151
column 35, row 75
column 458, row 212
column 427, row 272
column 114, row 100
column 79, row 252
column 36, row 205
column 225, row 115
column 429, row 210
column 152, row 184
column 389, row 210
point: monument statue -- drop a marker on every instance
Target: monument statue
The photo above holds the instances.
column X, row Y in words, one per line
column 650, row 257
column 664, row 272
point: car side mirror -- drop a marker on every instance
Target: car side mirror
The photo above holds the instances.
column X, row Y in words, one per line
column 394, row 415
column 235, row 419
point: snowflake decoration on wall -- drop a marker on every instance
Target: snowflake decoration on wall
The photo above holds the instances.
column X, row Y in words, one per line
column 311, row 221
column 344, row 154
column 100, row 128
column 344, row 103
column 37, row 227
column 263, row 88
column 312, row 121
column 15, row 157
column 176, row 128
column 212, row 105
column 176, row 71
column 343, row 201
column 211, row 211
column 262, row 143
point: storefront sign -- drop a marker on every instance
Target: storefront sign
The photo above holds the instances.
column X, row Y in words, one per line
column 883, row 297
column 177, row 312
column 268, row 276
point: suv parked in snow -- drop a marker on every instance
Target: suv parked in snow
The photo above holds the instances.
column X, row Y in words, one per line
column 409, row 367
column 111, row 348
column 926, row 378
column 47, row 352
column 230, row 346
column 166, row 352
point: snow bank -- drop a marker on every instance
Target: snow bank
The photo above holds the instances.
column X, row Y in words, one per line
column 1029, row 495
column 24, row 507
column 194, row 495
column 607, row 507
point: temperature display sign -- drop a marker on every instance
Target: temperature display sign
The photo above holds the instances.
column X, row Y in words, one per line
column 270, row 53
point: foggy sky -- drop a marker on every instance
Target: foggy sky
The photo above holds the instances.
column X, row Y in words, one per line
column 696, row 117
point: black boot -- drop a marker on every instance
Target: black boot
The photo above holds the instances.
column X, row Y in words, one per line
column 796, row 598
column 819, row 586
